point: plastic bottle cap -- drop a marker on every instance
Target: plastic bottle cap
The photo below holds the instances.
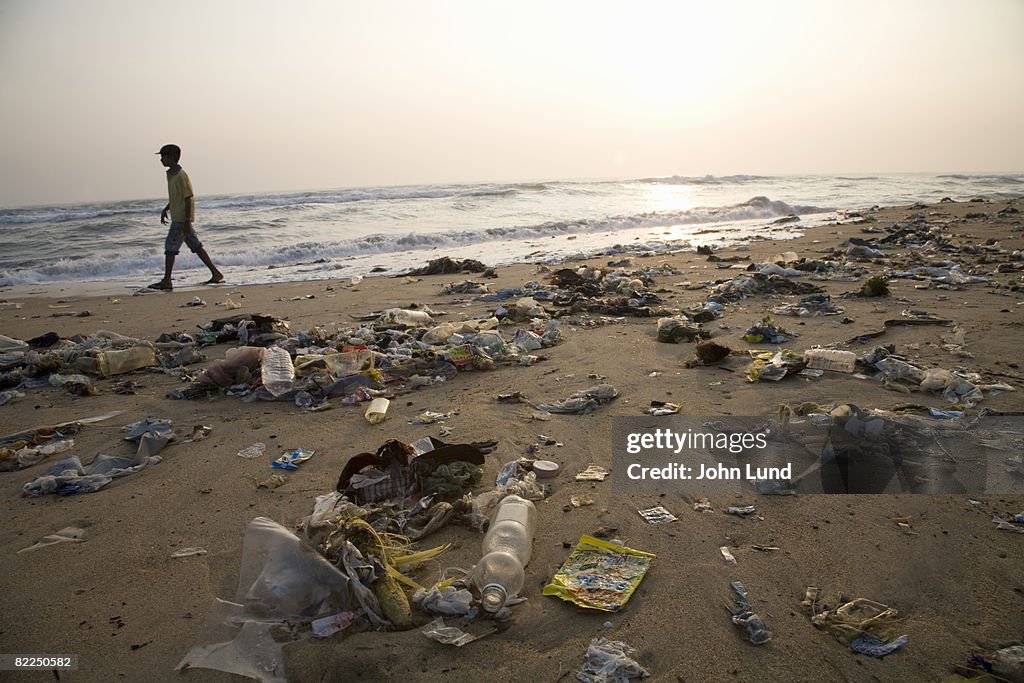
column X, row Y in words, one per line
column 545, row 469
column 493, row 597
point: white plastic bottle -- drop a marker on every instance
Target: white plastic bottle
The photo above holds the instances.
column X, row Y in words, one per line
column 277, row 370
column 507, row 547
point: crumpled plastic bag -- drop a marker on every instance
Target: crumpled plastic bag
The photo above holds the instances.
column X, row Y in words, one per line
column 583, row 401
column 448, row 635
column 954, row 389
column 69, row 476
column 679, row 329
column 451, row 601
column 282, row 581
column 610, row 661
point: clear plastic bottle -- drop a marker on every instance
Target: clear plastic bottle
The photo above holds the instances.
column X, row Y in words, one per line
column 277, row 370
column 377, row 410
column 107, row 363
column 507, row 547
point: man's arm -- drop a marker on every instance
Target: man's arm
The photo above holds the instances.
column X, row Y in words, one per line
column 190, row 201
column 164, row 214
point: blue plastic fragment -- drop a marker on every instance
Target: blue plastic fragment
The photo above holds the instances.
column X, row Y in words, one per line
column 876, row 647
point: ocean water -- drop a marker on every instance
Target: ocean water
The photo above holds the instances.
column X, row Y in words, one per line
column 337, row 234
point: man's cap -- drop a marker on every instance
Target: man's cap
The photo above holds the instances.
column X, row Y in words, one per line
column 170, row 149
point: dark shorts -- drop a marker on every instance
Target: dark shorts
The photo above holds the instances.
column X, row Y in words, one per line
column 176, row 235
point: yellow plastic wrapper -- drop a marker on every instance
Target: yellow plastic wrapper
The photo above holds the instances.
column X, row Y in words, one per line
column 599, row 575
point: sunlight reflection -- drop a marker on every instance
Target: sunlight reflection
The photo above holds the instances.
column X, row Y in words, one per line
column 664, row 197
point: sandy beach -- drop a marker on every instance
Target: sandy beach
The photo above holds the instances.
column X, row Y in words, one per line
column 130, row 611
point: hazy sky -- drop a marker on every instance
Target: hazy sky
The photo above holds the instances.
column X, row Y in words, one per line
column 306, row 95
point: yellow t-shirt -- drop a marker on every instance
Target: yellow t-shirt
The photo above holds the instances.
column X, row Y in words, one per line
column 180, row 196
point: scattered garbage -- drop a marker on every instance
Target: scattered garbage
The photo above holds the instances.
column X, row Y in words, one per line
column 545, row 469
column 592, row 473
column 582, row 402
column 507, row 547
column 426, row 417
column 277, row 370
column 256, row 450
column 447, row 265
column 28, row 447
column 397, row 470
column 405, row 491
column 449, row 635
column 69, row 534
column 237, row 366
column 831, row 359
column 810, row 306
column 610, row 661
column 599, row 574
column 377, row 410
column 657, row 515
column 863, row 625
column 116, row 362
column 1004, row 525
column 9, row 395
column 280, row 582
column 767, row 331
column 19, row 455
column 663, row 408
column 272, row 482
column 450, row 601
column 679, row 329
column 325, row 627
column 772, row 367
column 752, row 283
column 188, row 552
column 702, row 505
column 69, row 476
column 708, row 353
column 1002, row 666
column 743, row 615
column 291, row 460
column 740, row 511
column 199, row 432
column 152, row 434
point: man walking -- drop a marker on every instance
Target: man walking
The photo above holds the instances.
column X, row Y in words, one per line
column 181, row 207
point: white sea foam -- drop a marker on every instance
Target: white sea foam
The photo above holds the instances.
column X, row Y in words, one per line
column 320, row 234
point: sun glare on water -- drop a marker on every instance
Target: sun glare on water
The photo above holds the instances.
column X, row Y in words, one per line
column 660, row 198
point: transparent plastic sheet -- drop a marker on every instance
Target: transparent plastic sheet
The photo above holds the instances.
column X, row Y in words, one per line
column 282, row 582
column 610, row 661
column 449, row 635
column 69, row 476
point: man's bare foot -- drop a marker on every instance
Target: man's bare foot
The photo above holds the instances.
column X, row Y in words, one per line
column 215, row 280
column 162, row 286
